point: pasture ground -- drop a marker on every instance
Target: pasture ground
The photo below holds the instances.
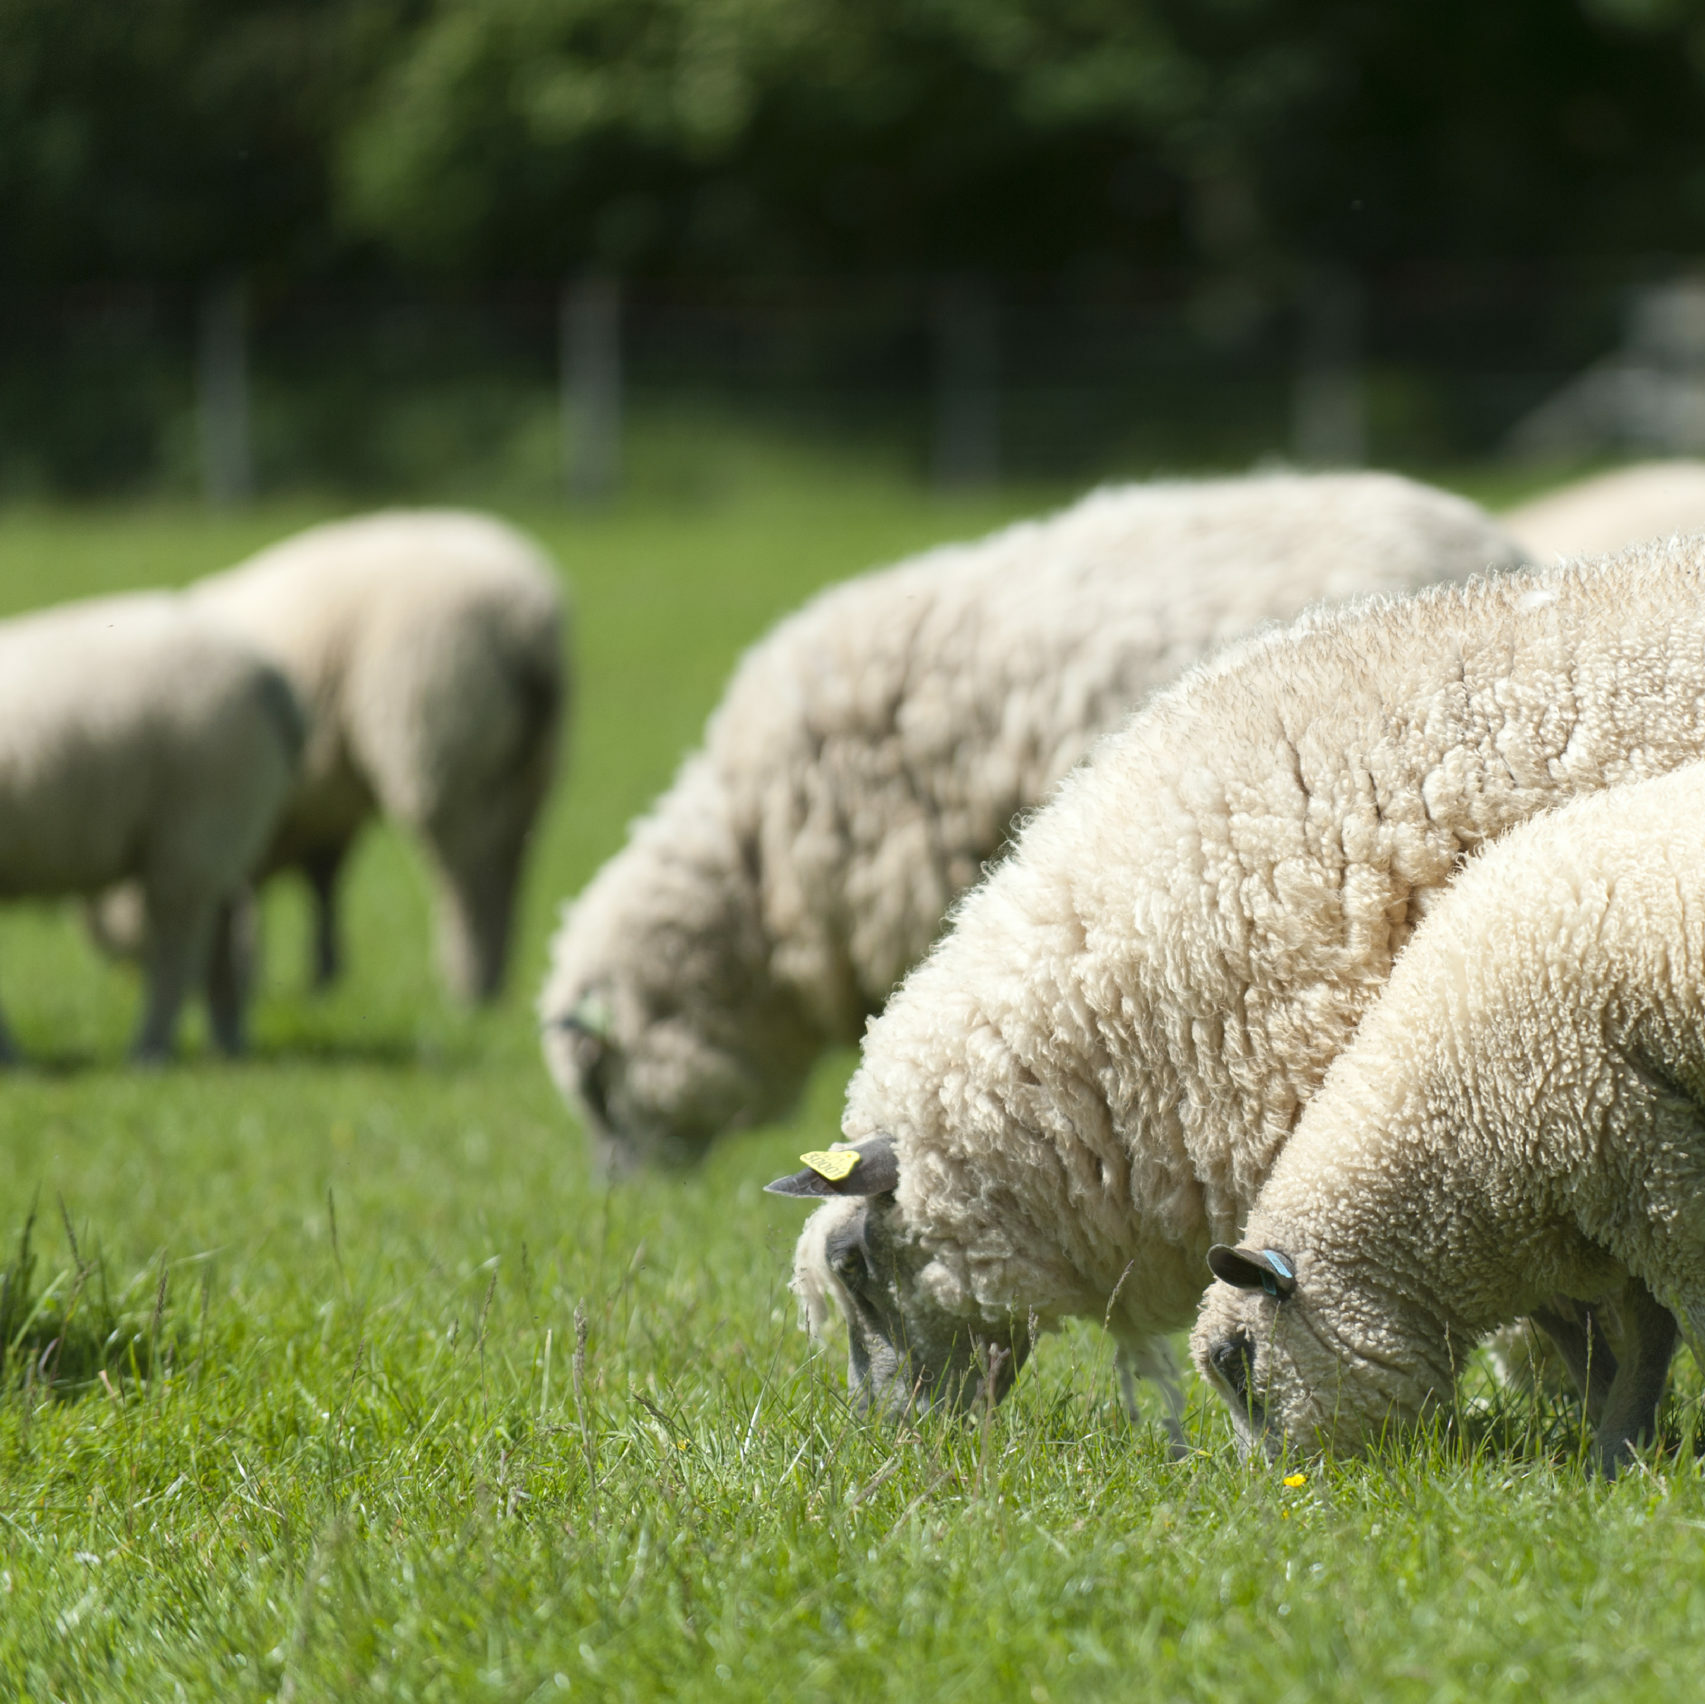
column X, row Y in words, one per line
column 337, row 1375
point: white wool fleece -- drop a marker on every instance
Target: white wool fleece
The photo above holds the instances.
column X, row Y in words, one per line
column 1090, row 1077
column 429, row 648
column 873, row 751
column 139, row 740
column 1610, row 511
column 1520, row 1116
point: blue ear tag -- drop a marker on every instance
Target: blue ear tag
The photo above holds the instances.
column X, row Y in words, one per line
column 1282, row 1280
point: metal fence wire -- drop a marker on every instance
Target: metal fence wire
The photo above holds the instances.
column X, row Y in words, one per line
column 539, row 392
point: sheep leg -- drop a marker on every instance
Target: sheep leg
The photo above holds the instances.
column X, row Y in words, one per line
column 175, row 962
column 1580, row 1339
column 322, row 867
column 476, row 904
column 230, row 972
column 1153, row 1361
column 1631, row 1411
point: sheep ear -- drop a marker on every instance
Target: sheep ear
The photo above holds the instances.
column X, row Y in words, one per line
column 869, row 1168
column 1253, row 1269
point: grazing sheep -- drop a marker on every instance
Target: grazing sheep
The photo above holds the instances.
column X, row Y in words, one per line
column 140, row 741
column 872, row 751
column 427, row 646
column 1088, row 1080
column 1520, row 1118
column 1611, row 511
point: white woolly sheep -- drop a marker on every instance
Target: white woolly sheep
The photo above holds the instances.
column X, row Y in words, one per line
column 427, row 646
column 1519, row 1119
column 872, row 751
column 1609, row 512
column 140, row 741
column 1088, row 1080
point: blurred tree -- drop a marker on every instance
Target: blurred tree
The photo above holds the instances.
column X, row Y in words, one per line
column 177, row 138
column 1369, row 131
column 542, row 135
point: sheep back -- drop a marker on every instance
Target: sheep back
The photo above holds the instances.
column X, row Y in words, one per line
column 137, row 739
column 878, row 745
column 427, row 647
column 1597, row 516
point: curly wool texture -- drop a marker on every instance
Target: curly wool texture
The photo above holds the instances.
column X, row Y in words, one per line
column 873, row 750
column 1609, row 512
column 1521, row 1115
column 427, row 646
column 1090, row 1077
column 140, row 741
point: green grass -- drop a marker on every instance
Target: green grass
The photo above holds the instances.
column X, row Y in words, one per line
column 338, row 1375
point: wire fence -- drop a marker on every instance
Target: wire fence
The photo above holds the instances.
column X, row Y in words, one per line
column 545, row 393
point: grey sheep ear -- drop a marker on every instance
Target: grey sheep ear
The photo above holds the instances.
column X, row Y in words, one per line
column 870, row 1168
column 1254, row 1269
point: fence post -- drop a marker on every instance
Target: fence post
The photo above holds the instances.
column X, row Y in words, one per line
column 590, row 342
column 222, row 393
column 966, row 326
column 1328, row 418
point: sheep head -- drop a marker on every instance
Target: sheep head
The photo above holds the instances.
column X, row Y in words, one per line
column 1303, row 1361
column 662, row 1022
column 905, row 1351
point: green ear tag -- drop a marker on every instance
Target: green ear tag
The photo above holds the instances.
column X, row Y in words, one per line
column 835, row 1164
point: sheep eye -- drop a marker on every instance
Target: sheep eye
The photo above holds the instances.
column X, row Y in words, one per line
column 850, row 1265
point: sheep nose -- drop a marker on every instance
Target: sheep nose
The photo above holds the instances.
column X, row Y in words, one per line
column 1233, row 1358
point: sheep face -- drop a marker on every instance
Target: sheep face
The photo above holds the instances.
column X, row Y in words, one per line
column 662, row 1021
column 655, row 1083
column 905, row 1352
column 1298, row 1374
column 660, row 1064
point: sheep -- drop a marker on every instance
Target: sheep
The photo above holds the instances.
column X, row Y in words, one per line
column 1596, row 516
column 873, row 750
column 428, row 647
column 139, row 740
column 1520, row 1119
column 1087, row 1081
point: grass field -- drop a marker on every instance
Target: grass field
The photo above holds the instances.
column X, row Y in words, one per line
column 338, row 1375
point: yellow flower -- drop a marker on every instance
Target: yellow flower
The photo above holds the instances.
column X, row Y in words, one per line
column 1295, row 1479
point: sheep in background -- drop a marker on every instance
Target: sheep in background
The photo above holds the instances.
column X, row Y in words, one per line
column 139, row 740
column 1087, row 1082
column 428, row 648
column 873, row 750
column 1520, row 1117
column 1609, row 512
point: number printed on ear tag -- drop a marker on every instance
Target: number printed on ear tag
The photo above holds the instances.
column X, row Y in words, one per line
column 833, row 1164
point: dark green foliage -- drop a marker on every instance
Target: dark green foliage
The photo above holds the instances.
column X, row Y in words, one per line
column 1023, row 135
column 168, row 139
column 308, row 138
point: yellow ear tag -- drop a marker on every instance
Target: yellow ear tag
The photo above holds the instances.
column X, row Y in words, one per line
column 835, row 1164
